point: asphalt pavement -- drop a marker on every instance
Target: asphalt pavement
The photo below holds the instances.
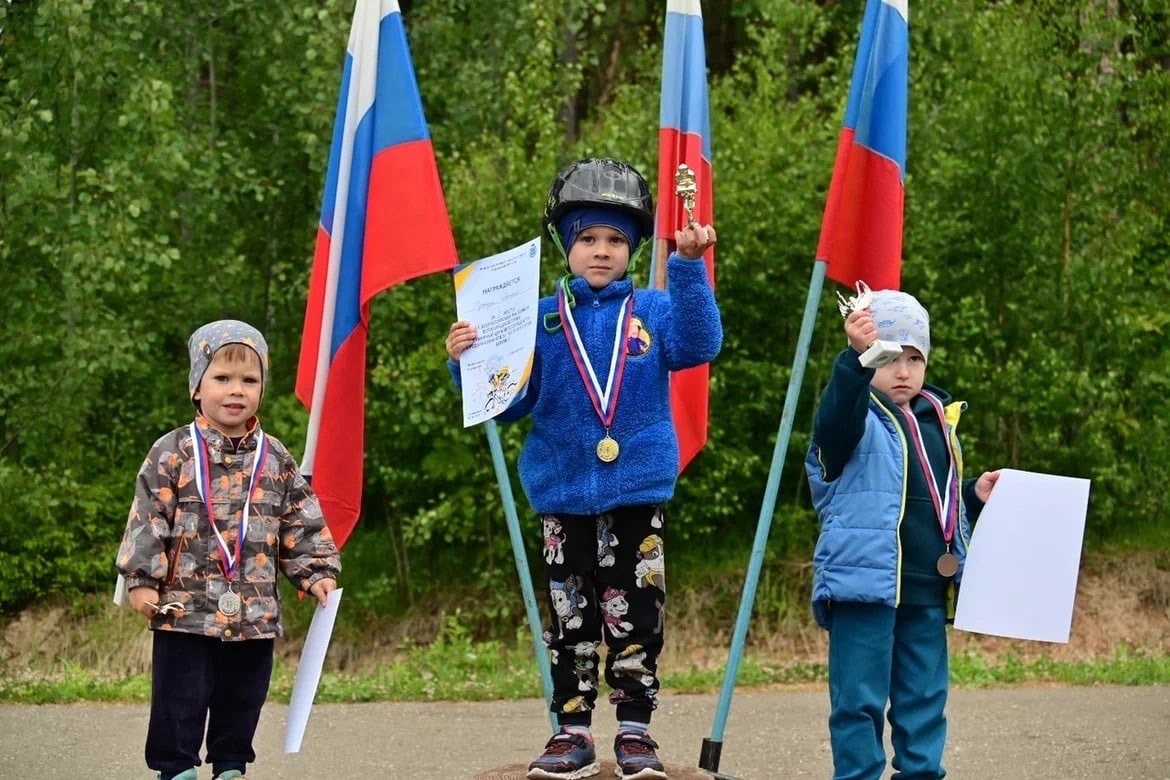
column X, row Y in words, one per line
column 1009, row 734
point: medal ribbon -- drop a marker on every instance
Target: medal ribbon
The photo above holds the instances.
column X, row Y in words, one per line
column 604, row 401
column 945, row 507
column 229, row 560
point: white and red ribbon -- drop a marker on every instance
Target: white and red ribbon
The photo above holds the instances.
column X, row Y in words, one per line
column 946, row 506
column 229, row 559
column 605, row 400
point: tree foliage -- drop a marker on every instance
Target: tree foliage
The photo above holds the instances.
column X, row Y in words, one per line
column 161, row 165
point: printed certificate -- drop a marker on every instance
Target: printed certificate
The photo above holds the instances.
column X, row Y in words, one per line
column 499, row 296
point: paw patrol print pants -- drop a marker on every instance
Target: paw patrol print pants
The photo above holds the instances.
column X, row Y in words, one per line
column 606, row 583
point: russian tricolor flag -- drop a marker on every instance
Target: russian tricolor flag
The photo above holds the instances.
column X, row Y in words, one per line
column 861, row 235
column 684, row 136
column 383, row 221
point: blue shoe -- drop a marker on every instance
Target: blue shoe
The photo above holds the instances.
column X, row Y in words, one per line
column 231, row 774
column 636, row 757
column 566, row 757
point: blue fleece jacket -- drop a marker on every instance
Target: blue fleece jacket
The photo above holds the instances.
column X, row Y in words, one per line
column 672, row 330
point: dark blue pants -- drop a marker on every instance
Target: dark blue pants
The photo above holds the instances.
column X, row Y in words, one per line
column 879, row 654
column 199, row 683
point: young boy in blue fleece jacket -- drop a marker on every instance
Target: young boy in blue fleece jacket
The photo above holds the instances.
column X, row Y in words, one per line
column 602, row 456
column 886, row 474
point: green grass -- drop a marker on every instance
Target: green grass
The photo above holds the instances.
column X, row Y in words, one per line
column 1126, row 667
column 93, row 652
column 455, row 668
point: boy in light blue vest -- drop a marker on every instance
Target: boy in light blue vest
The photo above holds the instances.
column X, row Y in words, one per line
column 885, row 470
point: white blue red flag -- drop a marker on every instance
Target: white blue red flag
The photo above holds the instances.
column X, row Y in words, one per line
column 684, row 136
column 861, row 235
column 383, row 221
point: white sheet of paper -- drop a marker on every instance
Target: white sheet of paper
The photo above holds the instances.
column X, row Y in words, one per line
column 121, row 592
column 1020, row 577
column 499, row 296
column 309, row 670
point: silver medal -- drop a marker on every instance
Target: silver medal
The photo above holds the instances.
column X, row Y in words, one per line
column 229, row 603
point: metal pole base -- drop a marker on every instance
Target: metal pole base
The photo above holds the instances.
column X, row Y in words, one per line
column 709, row 759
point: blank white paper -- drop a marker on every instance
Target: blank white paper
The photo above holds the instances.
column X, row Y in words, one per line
column 304, row 688
column 1020, row 577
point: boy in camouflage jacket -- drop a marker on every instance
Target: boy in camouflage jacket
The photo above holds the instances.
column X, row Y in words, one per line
column 218, row 509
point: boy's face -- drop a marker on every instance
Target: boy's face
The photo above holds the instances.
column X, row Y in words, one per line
column 600, row 255
column 229, row 393
column 901, row 379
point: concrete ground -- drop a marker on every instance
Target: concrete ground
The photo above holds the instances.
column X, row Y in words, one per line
column 1016, row 734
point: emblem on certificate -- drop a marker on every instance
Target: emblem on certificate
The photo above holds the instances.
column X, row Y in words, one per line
column 879, row 352
column 229, row 603
column 608, row 449
column 686, row 188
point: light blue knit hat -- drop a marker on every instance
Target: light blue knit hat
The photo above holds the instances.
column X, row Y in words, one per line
column 900, row 318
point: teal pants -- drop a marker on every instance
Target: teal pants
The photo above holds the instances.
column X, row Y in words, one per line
column 880, row 654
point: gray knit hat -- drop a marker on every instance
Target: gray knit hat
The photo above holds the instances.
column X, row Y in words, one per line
column 900, row 318
column 208, row 340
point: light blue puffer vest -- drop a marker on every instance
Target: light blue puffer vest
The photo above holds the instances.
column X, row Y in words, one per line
column 858, row 555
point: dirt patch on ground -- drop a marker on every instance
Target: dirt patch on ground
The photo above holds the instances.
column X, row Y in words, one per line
column 1123, row 605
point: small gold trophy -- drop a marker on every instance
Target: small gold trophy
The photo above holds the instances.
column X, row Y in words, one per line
column 686, row 188
column 879, row 352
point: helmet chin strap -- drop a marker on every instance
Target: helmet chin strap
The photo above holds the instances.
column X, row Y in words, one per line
column 556, row 239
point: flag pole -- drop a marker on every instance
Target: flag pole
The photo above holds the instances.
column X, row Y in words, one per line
column 325, row 343
column 522, row 569
column 712, row 747
column 333, row 270
column 658, row 260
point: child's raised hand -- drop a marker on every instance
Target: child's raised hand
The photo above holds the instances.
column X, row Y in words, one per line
column 985, row 483
column 144, row 600
column 461, row 336
column 693, row 240
column 860, row 329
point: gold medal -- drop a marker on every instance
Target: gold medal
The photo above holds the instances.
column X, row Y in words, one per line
column 608, row 449
column 229, row 603
column 947, row 565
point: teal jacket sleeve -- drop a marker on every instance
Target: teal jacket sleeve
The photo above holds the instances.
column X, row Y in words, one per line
column 840, row 417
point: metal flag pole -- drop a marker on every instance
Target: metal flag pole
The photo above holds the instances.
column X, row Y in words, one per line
column 712, row 747
column 522, row 569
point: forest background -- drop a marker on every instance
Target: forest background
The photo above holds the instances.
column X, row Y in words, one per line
column 162, row 163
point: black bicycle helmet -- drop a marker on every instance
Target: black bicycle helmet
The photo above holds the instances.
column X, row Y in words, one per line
column 601, row 181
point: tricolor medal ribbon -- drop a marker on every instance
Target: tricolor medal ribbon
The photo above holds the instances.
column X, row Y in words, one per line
column 605, row 400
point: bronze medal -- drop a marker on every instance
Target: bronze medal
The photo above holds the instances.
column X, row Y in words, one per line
column 229, row 603
column 608, row 449
column 948, row 565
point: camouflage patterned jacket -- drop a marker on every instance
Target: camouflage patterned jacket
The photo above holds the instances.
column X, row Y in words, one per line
column 169, row 545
